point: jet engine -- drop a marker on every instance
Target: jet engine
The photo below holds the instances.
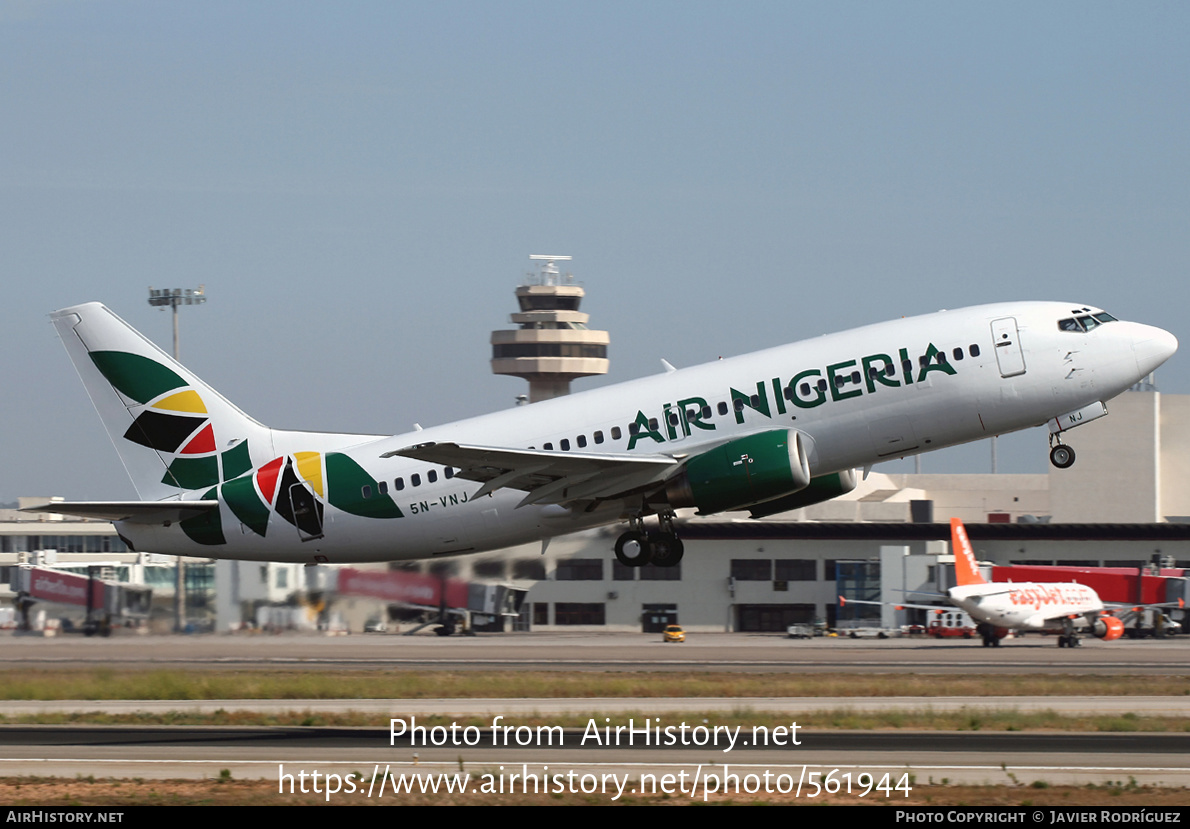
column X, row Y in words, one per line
column 821, row 488
column 1108, row 628
column 742, row 472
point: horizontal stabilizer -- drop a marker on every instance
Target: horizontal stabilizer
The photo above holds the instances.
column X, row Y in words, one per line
column 137, row 512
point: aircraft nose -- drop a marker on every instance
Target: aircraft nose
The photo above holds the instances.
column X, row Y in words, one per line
column 1152, row 347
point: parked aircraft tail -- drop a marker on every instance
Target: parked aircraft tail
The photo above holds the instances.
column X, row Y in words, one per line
column 966, row 568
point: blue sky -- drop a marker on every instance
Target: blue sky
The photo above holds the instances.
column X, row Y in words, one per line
column 359, row 186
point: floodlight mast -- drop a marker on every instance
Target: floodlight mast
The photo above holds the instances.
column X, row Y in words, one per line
column 175, row 297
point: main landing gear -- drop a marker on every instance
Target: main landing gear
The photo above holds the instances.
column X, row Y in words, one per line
column 661, row 548
column 1061, row 455
column 1069, row 637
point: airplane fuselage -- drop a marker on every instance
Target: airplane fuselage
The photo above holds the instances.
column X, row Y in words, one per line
column 855, row 398
column 1028, row 606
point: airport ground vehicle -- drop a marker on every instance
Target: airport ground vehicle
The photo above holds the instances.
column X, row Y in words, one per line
column 673, row 633
column 947, row 624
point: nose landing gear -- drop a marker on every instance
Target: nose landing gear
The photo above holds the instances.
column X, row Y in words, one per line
column 1061, row 455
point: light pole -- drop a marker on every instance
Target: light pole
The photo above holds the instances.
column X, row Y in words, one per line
column 174, row 298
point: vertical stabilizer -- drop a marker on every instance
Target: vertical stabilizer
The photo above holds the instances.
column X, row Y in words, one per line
column 173, row 432
column 966, row 568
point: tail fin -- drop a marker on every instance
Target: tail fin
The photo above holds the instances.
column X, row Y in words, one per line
column 966, row 568
column 173, row 432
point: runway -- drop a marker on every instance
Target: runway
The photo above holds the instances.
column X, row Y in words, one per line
column 600, row 652
column 976, row 757
column 266, row 753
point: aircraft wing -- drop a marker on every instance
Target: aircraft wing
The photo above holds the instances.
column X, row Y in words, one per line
column 548, row 477
column 1180, row 603
column 898, row 605
column 137, row 512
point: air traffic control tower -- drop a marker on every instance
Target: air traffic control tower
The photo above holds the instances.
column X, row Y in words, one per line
column 552, row 344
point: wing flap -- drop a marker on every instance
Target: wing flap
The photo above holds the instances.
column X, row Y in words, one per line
column 548, row 477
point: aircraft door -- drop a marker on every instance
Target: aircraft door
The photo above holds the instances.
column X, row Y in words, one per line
column 1009, row 355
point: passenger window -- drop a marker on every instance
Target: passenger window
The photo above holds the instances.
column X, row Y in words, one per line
column 449, row 472
column 958, row 353
column 599, row 437
column 549, row 447
column 383, row 487
column 674, row 420
column 855, row 377
column 616, row 433
column 805, row 389
column 722, row 408
column 789, row 393
column 633, row 428
column 941, row 357
column 415, row 479
column 739, row 404
column 366, row 491
column 653, row 424
column 822, row 385
column 582, row 441
column 706, row 412
column 973, row 349
column 564, row 444
column 432, row 475
column 399, row 483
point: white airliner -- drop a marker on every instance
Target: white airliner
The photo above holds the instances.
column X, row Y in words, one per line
column 1000, row 607
column 767, row 432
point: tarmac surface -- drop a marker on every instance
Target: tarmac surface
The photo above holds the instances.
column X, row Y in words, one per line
column 601, row 651
column 271, row 753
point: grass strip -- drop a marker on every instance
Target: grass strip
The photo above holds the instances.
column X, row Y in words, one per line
column 306, row 683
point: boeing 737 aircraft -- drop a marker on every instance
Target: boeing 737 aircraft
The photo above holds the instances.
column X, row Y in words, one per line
column 765, row 432
column 1000, row 607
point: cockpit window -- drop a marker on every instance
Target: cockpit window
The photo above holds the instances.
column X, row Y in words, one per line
column 1085, row 322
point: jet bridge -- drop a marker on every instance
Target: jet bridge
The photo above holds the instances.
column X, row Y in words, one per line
column 106, row 602
column 451, row 604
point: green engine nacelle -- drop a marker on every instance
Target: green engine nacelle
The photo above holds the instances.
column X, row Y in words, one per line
column 822, row 488
column 742, row 472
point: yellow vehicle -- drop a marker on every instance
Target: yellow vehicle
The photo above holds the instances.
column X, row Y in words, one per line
column 673, row 633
